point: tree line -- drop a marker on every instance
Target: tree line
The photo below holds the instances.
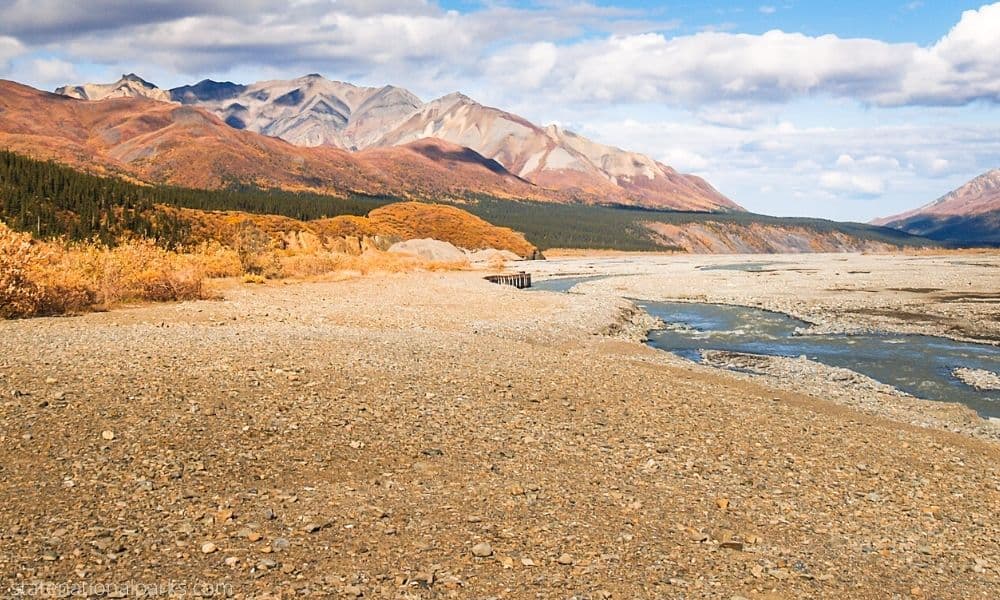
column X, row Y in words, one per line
column 49, row 200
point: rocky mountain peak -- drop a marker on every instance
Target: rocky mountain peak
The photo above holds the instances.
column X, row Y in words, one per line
column 314, row 111
column 129, row 86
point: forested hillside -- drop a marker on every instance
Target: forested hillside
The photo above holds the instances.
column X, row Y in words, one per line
column 51, row 200
column 48, row 200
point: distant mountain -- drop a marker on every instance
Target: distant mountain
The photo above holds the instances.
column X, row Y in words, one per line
column 554, row 158
column 129, row 86
column 313, row 111
column 205, row 90
column 968, row 214
column 160, row 142
column 308, row 111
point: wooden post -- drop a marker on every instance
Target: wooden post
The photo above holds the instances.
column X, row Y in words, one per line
column 520, row 280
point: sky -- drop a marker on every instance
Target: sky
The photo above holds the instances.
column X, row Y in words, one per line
column 847, row 110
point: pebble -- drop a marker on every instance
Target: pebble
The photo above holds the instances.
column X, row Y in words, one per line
column 482, row 550
column 208, row 548
column 565, row 559
column 107, row 435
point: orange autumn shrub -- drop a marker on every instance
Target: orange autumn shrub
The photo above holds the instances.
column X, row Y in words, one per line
column 49, row 278
column 216, row 260
column 19, row 294
column 40, row 278
column 302, row 264
column 135, row 270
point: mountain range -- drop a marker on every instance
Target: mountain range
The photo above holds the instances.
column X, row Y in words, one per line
column 544, row 163
column 968, row 214
column 168, row 143
column 539, row 181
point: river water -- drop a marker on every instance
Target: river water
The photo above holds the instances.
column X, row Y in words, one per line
column 917, row 364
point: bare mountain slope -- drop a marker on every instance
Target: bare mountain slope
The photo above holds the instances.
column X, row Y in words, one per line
column 129, row 86
column 314, row 111
column 308, row 111
column 558, row 159
column 161, row 142
column 970, row 213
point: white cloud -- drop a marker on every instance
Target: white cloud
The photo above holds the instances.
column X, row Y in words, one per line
column 858, row 185
column 534, row 62
column 53, row 70
column 381, row 40
column 806, row 165
column 960, row 67
column 684, row 160
column 767, row 9
column 855, row 172
column 931, row 163
column 739, row 115
column 939, row 166
column 539, row 51
column 712, row 67
column 9, row 48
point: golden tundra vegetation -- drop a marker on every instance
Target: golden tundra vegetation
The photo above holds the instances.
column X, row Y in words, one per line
column 40, row 278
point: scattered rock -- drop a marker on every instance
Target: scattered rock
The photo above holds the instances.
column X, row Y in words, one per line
column 980, row 379
column 482, row 550
column 312, row 527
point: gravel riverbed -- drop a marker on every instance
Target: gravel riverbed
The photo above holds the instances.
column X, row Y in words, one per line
column 434, row 435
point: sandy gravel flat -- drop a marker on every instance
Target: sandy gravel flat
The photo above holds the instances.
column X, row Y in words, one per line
column 434, row 435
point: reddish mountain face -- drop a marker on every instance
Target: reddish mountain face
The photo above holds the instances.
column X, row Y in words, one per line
column 970, row 213
column 161, row 142
column 557, row 159
column 312, row 111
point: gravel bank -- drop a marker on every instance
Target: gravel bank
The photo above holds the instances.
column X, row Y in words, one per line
column 978, row 378
column 438, row 436
column 849, row 388
column 954, row 296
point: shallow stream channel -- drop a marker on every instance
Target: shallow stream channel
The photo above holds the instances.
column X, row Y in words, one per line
column 919, row 365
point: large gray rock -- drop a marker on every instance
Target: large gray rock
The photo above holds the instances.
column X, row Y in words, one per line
column 429, row 249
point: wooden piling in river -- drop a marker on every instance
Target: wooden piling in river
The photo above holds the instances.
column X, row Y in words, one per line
column 519, row 280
